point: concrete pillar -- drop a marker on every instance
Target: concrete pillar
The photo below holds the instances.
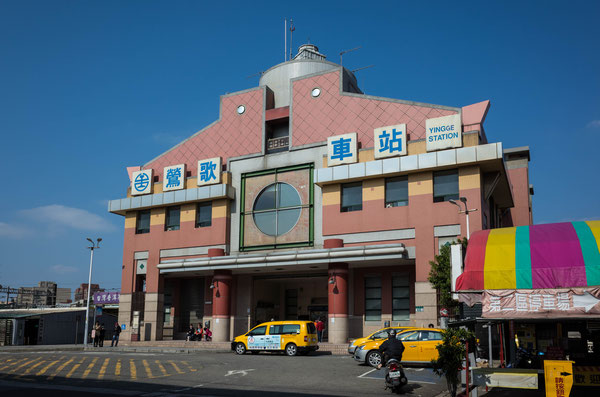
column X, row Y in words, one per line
column 222, row 282
column 338, row 302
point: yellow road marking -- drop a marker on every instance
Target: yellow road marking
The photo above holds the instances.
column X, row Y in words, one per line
column 62, row 366
column 132, row 369
column 47, row 367
column 103, row 368
column 176, row 367
column 12, row 371
column 162, row 368
column 75, row 368
column 189, row 366
column 148, row 372
column 13, row 363
column 118, row 368
column 89, row 368
column 31, row 368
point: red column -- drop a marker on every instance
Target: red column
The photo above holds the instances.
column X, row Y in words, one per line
column 338, row 290
column 221, row 305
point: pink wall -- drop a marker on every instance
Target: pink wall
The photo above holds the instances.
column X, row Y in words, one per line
column 519, row 179
column 315, row 119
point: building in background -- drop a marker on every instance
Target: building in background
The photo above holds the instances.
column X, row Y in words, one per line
column 308, row 198
column 81, row 291
column 42, row 295
column 63, row 296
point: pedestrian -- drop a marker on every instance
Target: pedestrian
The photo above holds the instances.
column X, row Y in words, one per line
column 116, row 334
column 320, row 325
column 190, row 333
column 431, row 326
column 199, row 332
column 207, row 334
column 102, row 334
column 96, row 333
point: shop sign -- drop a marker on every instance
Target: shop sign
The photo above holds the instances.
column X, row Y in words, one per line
column 342, row 149
column 264, row 342
column 106, row 297
column 174, row 177
column 390, row 141
column 209, row 171
column 586, row 376
column 541, row 303
column 443, row 132
column 141, row 182
column 419, row 309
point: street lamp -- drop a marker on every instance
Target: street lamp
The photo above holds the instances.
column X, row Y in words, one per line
column 87, row 304
column 466, row 211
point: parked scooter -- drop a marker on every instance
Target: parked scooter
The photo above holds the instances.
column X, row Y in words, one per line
column 395, row 378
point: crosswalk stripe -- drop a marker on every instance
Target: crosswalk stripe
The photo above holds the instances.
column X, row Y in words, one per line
column 89, row 368
column 176, row 367
column 47, row 367
column 60, row 368
column 189, row 366
column 31, row 369
column 103, row 368
column 162, row 368
column 12, row 371
column 75, row 368
column 118, row 368
column 132, row 370
column 148, row 371
column 13, row 363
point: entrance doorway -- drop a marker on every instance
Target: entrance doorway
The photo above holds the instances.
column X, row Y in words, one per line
column 30, row 335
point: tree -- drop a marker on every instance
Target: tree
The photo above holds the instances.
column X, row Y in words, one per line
column 451, row 353
column 440, row 275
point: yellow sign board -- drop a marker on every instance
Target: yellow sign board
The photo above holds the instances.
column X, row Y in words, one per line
column 586, row 376
column 559, row 377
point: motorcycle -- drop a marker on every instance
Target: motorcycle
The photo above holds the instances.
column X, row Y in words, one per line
column 395, row 378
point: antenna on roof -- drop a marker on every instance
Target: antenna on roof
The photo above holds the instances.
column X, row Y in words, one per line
column 364, row 67
column 292, row 28
column 346, row 51
column 285, row 40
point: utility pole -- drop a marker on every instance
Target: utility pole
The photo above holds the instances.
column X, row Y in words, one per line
column 87, row 304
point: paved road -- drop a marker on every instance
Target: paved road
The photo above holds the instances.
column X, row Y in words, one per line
column 207, row 373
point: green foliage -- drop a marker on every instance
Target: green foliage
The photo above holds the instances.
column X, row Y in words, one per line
column 452, row 352
column 440, row 274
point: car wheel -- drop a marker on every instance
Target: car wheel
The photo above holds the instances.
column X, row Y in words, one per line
column 374, row 358
column 291, row 349
column 240, row 348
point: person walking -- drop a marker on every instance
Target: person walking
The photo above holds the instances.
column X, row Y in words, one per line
column 320, row 325
column 116, row 334
column 102, row 335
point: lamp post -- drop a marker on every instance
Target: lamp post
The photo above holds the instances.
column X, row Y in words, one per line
column 87, row 304
column 466, row 212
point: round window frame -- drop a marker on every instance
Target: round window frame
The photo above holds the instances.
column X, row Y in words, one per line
column 312, row 92
column 277, row 209
column 241, row 109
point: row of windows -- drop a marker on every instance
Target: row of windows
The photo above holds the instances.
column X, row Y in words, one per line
column 173, row 218
column 445, row 188
column 400, row 298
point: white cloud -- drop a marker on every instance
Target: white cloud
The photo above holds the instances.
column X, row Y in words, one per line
column 594, row 124
column 74, row 218
column 62, row 269
column 13, row 231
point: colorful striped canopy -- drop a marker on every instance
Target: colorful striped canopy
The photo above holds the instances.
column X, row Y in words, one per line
column 555, row 255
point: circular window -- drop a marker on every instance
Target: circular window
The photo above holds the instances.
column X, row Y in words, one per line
column 277, row 209
column 315, row 92
column 241, row 109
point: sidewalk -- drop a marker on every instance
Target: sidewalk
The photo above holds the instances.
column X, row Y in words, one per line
column 177, row 346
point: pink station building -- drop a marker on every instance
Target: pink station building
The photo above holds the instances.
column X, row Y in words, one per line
column 307, row 198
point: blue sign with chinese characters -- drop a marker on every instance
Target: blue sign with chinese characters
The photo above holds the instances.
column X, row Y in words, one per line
column 141, row 182
column 342, row 149
column 390, row 141
column 209, row 171
column 174, row 177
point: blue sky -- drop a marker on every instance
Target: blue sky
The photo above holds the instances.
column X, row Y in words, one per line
column 88, row 88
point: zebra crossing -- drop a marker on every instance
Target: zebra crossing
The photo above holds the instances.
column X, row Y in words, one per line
column 53, row 367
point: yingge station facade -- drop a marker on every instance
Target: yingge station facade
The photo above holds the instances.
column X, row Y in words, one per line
column 306, row 199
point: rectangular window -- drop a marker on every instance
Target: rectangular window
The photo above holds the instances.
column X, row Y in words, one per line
column 400, row 298
column 351, row 197
column 143, row 222
column 204, row 214
column 372, row 298
column 396, row 192
column 172, row 221
column 445, row 186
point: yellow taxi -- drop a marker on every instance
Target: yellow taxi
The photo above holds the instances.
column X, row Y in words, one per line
column 292, row 337
column 377, row 335
column 419, row 347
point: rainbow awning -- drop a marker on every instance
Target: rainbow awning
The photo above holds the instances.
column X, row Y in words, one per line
column 555, row 255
